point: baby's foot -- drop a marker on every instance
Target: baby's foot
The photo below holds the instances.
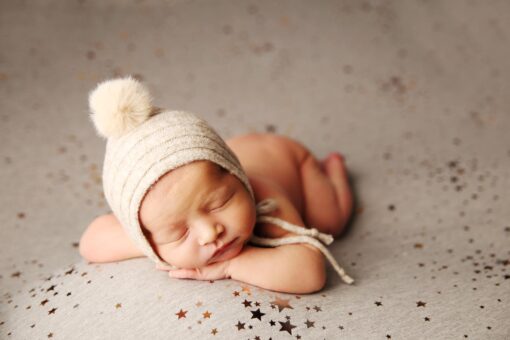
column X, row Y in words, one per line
column 334, row 168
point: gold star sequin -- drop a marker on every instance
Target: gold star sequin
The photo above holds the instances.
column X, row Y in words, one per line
column 281, row 303
column 117, row 306
column 246, row 289
column 207, row 314
column 181, row 314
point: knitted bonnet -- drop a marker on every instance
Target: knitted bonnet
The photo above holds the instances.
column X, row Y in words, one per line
column 143, row 144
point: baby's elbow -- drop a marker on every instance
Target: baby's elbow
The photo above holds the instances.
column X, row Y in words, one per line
column 318, row 277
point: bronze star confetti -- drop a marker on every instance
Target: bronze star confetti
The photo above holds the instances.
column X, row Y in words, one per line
column 214, row 331
column 309, row 323
column 44, row 302
column 52, row 311
column 420, row 304
column 317, row 308
column 246, row 289
column 427, row 318
column 281, row 303
column 246, row 303
column 378, row 303
column 16, row 274
column 51, row 288
column 240, row 325
column 286, row 326
column 257, row 314
column 181, row 314
column 207, row 314
column 236, row 293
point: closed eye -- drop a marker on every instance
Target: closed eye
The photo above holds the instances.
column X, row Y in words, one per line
column 224, row 203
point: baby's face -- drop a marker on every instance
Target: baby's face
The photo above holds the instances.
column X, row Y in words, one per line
column 194, row 210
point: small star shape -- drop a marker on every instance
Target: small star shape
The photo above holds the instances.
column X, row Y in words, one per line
column 378, row 303
column 427, row 318
column 317, row 308
column 51, row 288
column 420, row 304
column 246, row 289
column 272, row 323
column 240, row 325
column 286, row 326
column 52, row 311
column 257, row 314
column 341, row 327
column 50, row 335
column 181, row 314
column 246, row 303
column 309, row 323
column 257, row 304
column 44, row 302
column 236, row 293
column 69, row 272
column 207, row 314
column 281, row 303
column 214, row 331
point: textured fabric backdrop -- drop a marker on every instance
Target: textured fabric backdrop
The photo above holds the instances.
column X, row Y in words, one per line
column 413, row 93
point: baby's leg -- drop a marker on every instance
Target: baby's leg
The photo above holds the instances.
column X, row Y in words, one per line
column 327, row 196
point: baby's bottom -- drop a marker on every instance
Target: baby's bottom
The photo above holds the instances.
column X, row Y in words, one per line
column 327, row 196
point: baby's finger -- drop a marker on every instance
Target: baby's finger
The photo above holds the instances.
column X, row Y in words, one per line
column 183, row 274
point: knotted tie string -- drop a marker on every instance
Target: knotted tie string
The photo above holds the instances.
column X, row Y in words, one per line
column 310, row 236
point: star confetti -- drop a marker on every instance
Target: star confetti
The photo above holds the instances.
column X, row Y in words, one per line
column 207, row 315
column 181, row 314
column 420, row 304
column 257, row 314
column 240, row 325
column 282, row 304
column 309, row 323
column 286, row 326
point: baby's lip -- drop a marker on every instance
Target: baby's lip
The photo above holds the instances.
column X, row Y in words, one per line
column 224, row 248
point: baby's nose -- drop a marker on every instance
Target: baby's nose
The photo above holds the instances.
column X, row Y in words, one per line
column 210, row 234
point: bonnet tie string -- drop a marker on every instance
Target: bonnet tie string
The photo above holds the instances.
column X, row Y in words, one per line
column 310, row 236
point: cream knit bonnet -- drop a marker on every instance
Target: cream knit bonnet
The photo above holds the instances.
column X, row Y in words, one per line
column 145, row 142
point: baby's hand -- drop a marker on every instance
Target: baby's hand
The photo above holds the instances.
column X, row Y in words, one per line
column 214, row 271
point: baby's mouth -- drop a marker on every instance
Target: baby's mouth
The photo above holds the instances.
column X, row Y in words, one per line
column 223, row 249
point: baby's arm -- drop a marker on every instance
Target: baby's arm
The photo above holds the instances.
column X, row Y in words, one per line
column 106, row 241
column 293, row 268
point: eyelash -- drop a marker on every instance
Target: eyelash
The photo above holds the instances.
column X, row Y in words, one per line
column 223, row 204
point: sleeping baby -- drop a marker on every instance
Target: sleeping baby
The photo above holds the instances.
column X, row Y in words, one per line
column 257, row 208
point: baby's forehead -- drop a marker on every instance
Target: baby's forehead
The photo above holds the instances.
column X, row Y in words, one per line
column 199, row 171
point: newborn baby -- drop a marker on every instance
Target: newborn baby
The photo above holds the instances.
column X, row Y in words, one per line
column 200, row 217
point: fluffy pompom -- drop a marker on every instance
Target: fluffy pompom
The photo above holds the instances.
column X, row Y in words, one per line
column 119, row 105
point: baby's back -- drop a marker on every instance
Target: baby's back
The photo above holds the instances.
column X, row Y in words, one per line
column 272, row 157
